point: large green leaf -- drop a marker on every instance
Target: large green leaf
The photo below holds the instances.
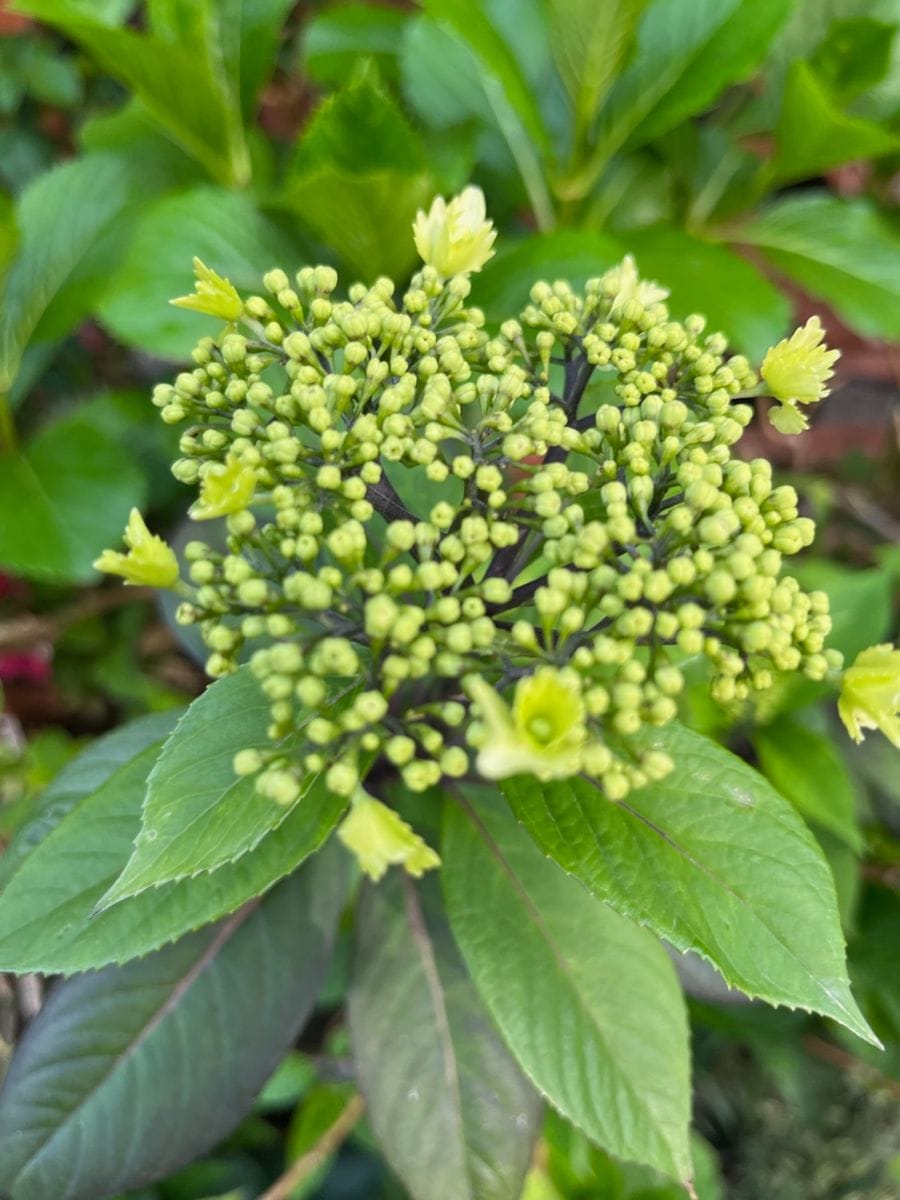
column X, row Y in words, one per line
column 712, row 859
column 61, row 218
column 71, row 854
column 199, row 815
column 157, row 266
column 335, row 39
column 184, row 82
column 711, row 279
column 813, row 134
column 451, row 1110
column 805, row 768
column 842, row 251
column 686, row 52
column 128, row 1073
column 71, row 488
column 590, row 40
column 587, row 1001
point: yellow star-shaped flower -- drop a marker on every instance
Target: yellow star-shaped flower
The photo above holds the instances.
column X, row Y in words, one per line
column 224, row 488
column 797, row 371
column 630, row 286
column 543, row 734
column 870, row 696
column 380, row 838
column 213, row 295
column 150, row 562
column 455, row 238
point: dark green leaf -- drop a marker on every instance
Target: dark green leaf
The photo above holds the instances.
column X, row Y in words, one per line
column 157, row 265
column 71, row 488
column 813, row 134
column 587, row 1001
column 842, row 251
column 198, row 815
column 855, row 55
column 75, row 849
column 130, row 1072
column 334, row 40
column 805, row 768
column 715, row 861
column 450, row 1108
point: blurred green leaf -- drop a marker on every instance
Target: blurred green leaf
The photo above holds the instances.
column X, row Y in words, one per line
column 69, row 503
column 62, row 219
column 134, row 137
column 184, row 83
column 107, row 1053
column 293, row 1076
column 805, row 768
column 590, row 40
column 842, row 251
column 157, row 265
column 358, row 176
column 320, row 1108
column 860, row 601
column 334, row 41
column 813, row 135
column 855, row 55
column 557, row 968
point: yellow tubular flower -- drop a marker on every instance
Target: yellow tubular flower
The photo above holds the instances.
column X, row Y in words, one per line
column 150, row 562
column 542, row 735
column 213, row 295
column 797, row 371
column 455, row 238
column 870, row 696
column 380, row 838
column 225, row 488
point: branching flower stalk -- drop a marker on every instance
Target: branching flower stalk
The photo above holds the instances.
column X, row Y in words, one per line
column 453, row 551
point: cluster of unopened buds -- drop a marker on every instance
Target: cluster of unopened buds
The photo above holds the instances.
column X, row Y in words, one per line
column 457, row 551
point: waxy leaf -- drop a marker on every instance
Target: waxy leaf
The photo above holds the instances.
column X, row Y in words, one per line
column 712, row 859
column 453, row 1113
column 128, row 1073
column 588, row 1002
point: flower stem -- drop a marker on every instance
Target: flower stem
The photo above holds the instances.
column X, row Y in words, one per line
column 318, row 1154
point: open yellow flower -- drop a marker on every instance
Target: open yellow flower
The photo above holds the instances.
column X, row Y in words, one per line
column 632, row 287
column 380, row 838
column 213, row 295
column 225, row 488
column 870, row 696
column 150, row 562
column 543, row 734
column 797, row 371
column 455, row 238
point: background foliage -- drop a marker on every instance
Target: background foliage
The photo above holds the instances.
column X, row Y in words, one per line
column 746, row 152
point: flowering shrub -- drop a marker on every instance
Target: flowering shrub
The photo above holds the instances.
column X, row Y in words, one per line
column 463, row 576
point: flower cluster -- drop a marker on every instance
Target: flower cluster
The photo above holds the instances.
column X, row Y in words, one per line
column 454, row 549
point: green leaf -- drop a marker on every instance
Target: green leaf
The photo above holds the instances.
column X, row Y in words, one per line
column 715, row 861
column 71, row 488
column 590, row 40
column 855, row 55
column 74, row 851
column 157, row 265
column 711, row 279
column 842, row 251
column 686, row 52
column 198, row 815
column 334, row 41
column 128, row 1073
column 813, row 134
column 805, row 768
column 588, row 1002
column 452, row 1112
column 62, row 218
